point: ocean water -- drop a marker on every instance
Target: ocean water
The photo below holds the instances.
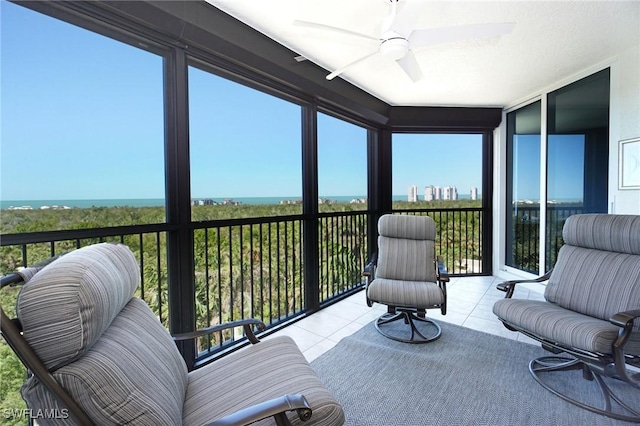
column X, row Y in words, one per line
column 144, row 202
column 159, row 202
column 81, row 204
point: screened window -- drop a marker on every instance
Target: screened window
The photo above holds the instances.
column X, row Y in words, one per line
column 342, row 165
column 436, row 170
column 245, row 148
column 82, row 127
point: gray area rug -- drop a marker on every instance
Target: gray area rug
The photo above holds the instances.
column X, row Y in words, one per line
column 466, row 377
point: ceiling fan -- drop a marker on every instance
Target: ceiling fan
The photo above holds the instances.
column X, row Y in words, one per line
column 398, row 44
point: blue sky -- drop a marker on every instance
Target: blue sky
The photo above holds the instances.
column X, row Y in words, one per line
column 566, row 178
column 82, row 118
column 438, row 160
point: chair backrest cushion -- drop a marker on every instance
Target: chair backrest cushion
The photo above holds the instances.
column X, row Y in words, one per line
column 105, row 347
column 406, row 248
column 74, row 299
column 133, row 374
column 597, row 272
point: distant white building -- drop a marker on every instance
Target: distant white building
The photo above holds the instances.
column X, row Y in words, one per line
column 450, row 193
column 437, row 193
column 429, row 193
column 413, row 194
column 474, row 193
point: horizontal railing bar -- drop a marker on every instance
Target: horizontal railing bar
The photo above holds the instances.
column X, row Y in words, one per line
column 443, row 210
column 220, row 223
column 80, row 234
column 341, row 214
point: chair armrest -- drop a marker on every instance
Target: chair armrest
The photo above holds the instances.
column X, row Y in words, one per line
column 443, row 275
column 370, row 268
column 274, row 407
column 625, row 319
column 245, row 323
column 509, row 286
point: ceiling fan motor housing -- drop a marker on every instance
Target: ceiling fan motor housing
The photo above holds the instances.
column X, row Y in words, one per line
column 394, row 48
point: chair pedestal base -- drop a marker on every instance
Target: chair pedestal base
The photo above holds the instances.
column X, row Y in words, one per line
column 423, row 330
column 549, row 364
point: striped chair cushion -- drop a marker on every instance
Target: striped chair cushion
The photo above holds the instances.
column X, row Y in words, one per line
column 563, row 326
column 596, row 275
column 408, row 227
column 65, row 307
column 595, row 282
column 255, row 374
column 409, row 260
column 133, row 374
column 608, row 232
column 414, row 294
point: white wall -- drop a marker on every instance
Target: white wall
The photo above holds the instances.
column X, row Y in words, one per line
column 625, row 124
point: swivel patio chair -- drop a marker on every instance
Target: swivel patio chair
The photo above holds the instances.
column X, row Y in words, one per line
column 407, row 276
column 100, row 356
column 590, row 318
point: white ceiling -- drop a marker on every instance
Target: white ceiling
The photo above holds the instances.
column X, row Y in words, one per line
column 552, row 40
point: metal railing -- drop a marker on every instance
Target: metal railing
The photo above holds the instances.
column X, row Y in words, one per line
column 147, row 242
column 525, row 244
column 342, row 252
column 253, row 267
column 247, row 268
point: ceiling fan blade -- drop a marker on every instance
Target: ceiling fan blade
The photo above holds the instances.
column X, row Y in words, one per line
column 431, row 36
column 341, row 70
column 387, row 24
column 332, row 28
column 409, row 65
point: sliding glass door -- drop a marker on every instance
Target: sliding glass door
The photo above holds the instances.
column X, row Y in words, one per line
column 548, row 182
column 577, row 155
column 523, row 188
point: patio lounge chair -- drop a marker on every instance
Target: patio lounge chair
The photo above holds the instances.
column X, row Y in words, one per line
column 100, row 356
column 407, row 276
column 590, row 315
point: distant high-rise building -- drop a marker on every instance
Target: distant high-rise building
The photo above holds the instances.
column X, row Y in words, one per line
column 474, row 193
column 437, row 193
column 429, row 193
column 450, row 193
column 413, row 194
column 446, row 193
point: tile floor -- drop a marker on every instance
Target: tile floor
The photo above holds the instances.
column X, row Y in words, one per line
column 469, row 304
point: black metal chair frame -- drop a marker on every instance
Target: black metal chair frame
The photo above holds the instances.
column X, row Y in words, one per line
column 594, row 366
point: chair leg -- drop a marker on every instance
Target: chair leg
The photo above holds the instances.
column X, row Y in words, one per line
column 411, row 319
column 549, row 364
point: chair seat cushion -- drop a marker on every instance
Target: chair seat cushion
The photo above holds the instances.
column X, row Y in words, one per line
column 562, row 326
column 401, row 293
column 257, row 373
